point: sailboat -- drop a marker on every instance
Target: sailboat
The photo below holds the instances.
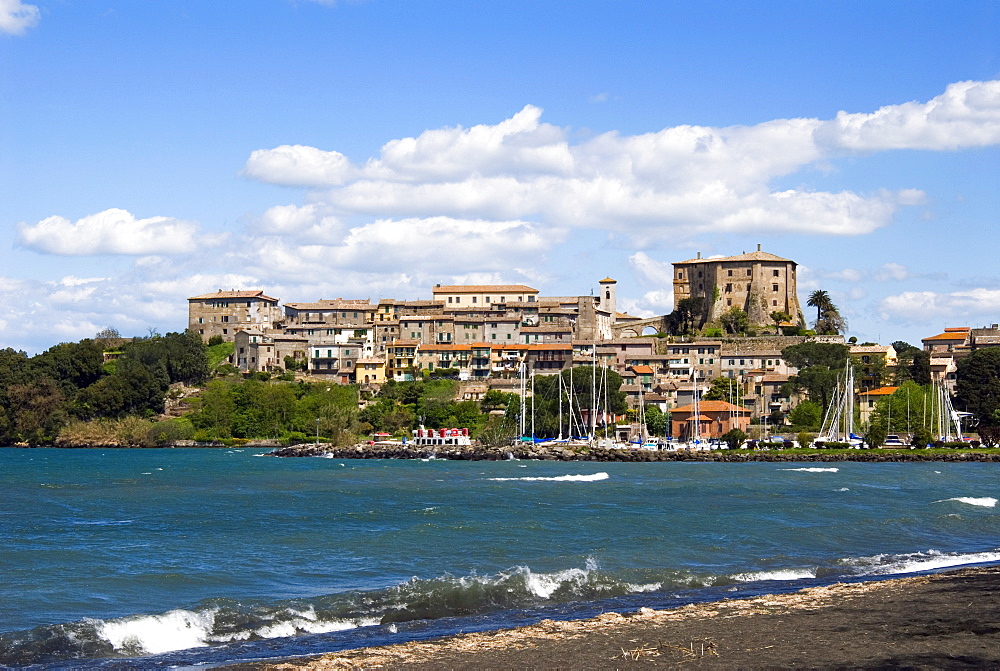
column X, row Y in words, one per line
column 838, row 424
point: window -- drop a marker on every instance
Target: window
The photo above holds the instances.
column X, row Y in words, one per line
column 749, row 272
column 225, row 319
column 449, row 299
column 774, row 273
column 680, row 274
column 774, row 288
column 774, row 303
column 475, row 299
column 729, row 273
column 729, row 301
column 729, row 288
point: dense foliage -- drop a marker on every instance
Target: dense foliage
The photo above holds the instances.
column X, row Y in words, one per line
column 39, row 395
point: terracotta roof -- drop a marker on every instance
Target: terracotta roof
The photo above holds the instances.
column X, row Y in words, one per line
column 751, row 256
column 444, row 347
column 483, row 288
column 338, row 304
column 607, row 280
column 712, row 406
column 869, row 349
column 881, row 391
column 643, row 370
column 234, row 294
column 948, row 335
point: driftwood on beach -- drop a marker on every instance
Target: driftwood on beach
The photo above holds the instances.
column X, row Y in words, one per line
column 561, row 453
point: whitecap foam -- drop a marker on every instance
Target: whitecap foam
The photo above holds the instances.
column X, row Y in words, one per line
column 595, row 477
column 984, row 501
column 299, row 625
column 811, row 469
column 918, row 561
column 843, row 489
column 155, row 634
column 777, row 574
column 544, row 585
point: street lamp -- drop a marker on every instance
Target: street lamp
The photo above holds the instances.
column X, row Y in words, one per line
column 317, row 430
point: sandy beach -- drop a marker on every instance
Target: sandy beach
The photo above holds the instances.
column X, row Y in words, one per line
column 947, row 620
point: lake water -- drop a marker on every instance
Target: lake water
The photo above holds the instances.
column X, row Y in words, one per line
column 198, row 557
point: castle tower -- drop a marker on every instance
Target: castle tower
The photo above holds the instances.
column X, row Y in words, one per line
column 758, row 283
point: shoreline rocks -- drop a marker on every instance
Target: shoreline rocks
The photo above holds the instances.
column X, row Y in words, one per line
column 599, row 454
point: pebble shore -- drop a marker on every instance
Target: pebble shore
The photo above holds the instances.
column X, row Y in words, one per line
column 549, row 453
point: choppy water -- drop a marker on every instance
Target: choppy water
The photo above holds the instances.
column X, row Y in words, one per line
column 187, row 557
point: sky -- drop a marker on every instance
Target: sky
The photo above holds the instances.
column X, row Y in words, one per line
column 154, row 151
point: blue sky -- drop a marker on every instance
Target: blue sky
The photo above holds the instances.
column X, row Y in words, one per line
column 151, row 151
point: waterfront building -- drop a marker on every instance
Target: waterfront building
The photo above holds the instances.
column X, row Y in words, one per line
column 223, row 313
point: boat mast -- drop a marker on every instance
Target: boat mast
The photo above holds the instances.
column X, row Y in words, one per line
column 521, row 374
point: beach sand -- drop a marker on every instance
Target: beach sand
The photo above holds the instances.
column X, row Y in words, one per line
column 948, row 620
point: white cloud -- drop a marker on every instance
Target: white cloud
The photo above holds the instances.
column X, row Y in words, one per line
column 298, row 165
column 967, row 114
column 307, row 223
column 113, row 231
column 682, row 180
column 650, row 271
column 933, row 307
column 16, row 17
column 435, row 245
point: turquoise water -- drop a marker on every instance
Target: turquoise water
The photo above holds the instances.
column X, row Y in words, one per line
column 178, row 557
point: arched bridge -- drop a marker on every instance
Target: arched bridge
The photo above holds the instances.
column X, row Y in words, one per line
column 640, row 327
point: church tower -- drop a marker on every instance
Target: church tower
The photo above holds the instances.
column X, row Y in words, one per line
column 609, row 297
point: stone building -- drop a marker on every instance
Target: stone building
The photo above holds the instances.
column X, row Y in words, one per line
column 223, row 313
column 758, row 283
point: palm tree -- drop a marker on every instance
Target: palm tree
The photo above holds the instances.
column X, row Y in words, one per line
column 820, row 300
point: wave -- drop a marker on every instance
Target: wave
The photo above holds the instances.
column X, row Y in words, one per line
column 985, row 501
column 930, row 560
column 596, row 477
column 219, row 622
column 811, row 469
column 779, row 574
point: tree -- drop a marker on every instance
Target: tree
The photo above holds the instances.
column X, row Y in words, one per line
column 820, row 366
column 829, row 321
column 734, row 438
column 724, row 389
column 735, row 320
column 920, row 369
column 820, row 300
column 978, row 384
column 778, row 318
column 656, row 420
column 806, row 414
column 686, row 316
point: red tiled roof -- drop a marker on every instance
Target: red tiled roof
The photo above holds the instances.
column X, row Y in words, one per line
column 881, row 391
column 259, row 293
column 483, row 288
column 712, row 406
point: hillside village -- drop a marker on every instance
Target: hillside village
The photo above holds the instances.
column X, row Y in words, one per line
column 486, row 335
